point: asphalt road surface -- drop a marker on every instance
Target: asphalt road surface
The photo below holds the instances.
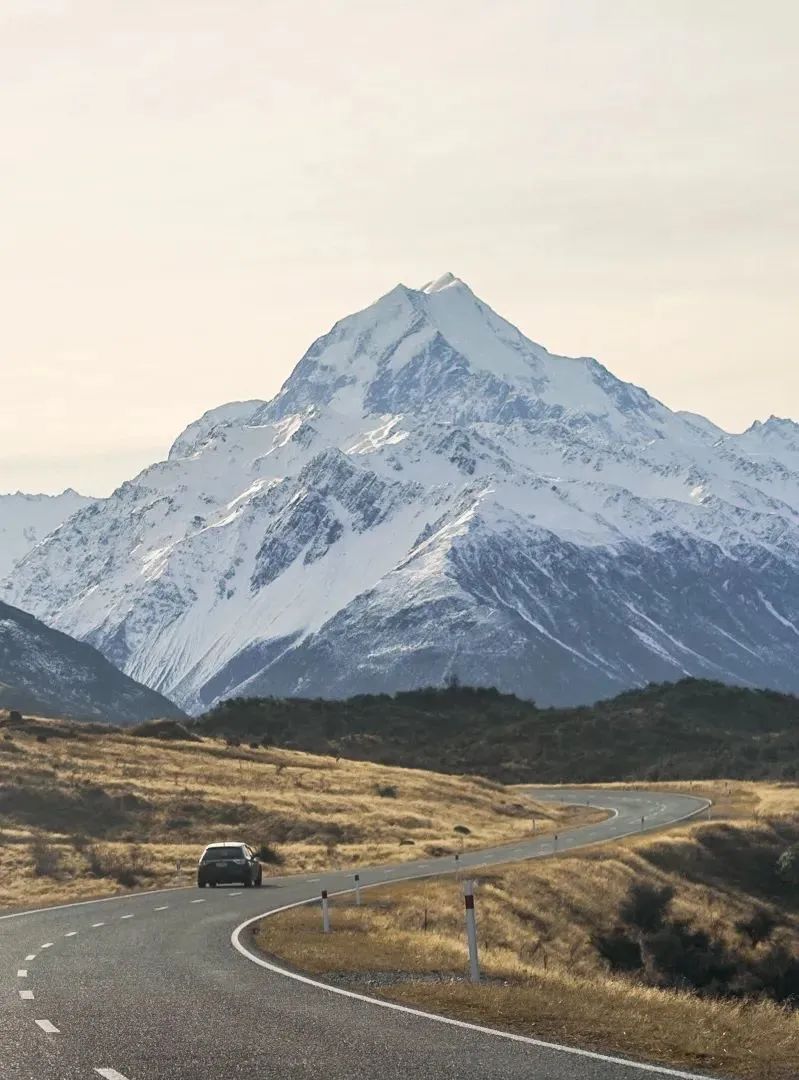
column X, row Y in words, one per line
column 150, row 987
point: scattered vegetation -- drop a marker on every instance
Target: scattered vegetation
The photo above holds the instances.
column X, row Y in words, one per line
column 694, row 729
column 88, row 810
column 692, row 933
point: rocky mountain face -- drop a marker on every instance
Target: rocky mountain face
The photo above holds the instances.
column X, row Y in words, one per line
column 45, row 672
column 27, row 519
column 433, row 494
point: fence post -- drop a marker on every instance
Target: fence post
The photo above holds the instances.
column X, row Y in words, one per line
column 325, row 912
column 358, row 889
column 471, row 930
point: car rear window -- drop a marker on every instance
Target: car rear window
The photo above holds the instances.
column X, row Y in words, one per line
column 222, row 853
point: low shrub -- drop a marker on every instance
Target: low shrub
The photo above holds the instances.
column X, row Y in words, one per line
column 46, row 858
column 788, row 865
column 267, row 853
column 126, row 869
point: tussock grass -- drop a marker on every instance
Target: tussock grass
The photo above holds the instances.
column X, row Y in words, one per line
column 537, row 926
column 85, row 810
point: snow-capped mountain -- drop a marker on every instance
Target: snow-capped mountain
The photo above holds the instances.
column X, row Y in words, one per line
column 46, row 672
column 27, row 519
column 431, row 493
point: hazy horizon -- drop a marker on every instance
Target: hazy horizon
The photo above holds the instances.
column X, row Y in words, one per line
column 193, row 191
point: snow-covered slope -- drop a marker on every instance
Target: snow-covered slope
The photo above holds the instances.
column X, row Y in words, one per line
column 431, row 493
column 48, row 673
column 27, row 519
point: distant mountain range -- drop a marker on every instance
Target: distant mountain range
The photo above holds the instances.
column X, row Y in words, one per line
column 432, row 494
column 44, row 672
column 27, row 519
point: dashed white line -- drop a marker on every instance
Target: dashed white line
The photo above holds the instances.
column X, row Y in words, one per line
column 22, row 973
column 239, row 894
column 72, row 933
column 31, row 956
column 96, row 924
column 110, row 1074
column 196, row 901
column 26, row 995
column 126, row 916
column 162, row 908
column 47, row 945
column 45, row 1025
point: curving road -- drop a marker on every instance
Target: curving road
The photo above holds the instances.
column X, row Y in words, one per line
column 149, row 987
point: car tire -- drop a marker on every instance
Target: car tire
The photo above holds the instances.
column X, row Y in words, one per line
column 260, row 880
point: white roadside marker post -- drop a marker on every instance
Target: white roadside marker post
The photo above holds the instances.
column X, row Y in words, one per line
column 471, row 931
column 325, row 912
column 358, row 889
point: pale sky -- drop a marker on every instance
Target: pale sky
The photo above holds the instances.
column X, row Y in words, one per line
column 191, row 191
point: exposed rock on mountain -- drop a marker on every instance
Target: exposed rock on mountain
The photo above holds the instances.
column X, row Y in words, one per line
column 45, row 672
column 431, row 493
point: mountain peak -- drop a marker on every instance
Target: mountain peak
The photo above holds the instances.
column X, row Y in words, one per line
column 446, row 281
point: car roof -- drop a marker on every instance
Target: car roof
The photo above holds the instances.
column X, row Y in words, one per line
column 226, row 843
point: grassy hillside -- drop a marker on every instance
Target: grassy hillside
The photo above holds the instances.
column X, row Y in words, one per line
column 86, row 810
column 691, row 934
column 694, row 728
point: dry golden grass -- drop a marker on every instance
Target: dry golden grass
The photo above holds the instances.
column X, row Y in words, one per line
column 118, row 799
column 544, row 975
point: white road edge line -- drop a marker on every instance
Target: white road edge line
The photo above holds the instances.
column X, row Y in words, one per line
column 45, row 1025
column 26, row 995
column 659, row 1070
column 110, row 1074
column 101, row 900
column 187, row 888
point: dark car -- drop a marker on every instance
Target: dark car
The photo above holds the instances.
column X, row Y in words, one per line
column 229, row 864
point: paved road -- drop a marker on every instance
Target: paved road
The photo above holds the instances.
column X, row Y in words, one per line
column 148, row 987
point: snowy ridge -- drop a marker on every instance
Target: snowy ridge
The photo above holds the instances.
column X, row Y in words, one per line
column 25, row 520
column 433, row 493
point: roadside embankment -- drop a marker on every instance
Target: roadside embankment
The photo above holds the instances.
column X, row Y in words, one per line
column 89, row 811
column 679, row 947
